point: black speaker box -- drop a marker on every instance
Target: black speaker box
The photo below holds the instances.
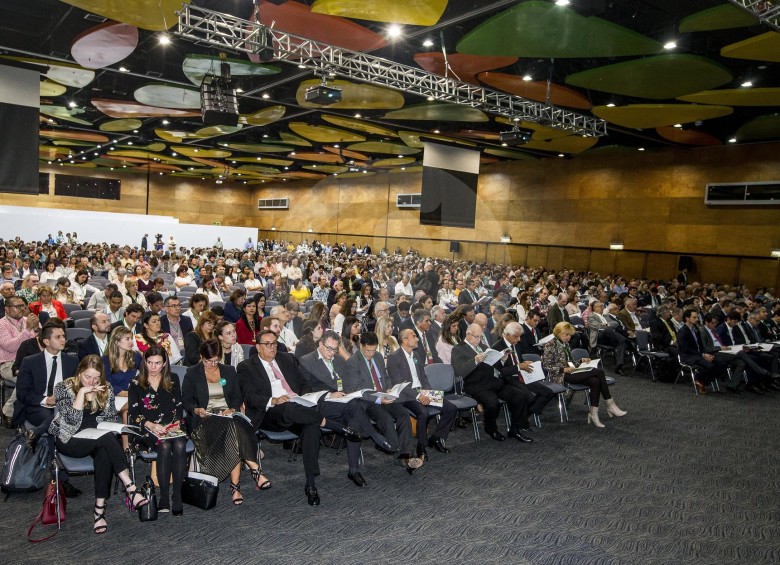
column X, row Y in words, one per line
column 685, row 262
column 454, row 246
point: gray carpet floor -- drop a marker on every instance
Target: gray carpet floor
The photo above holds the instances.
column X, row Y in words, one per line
column 679, row 480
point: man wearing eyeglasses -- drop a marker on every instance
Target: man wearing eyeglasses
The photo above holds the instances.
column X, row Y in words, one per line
column 269, row 381
column 16, row 326
column 326, row 371
column 480, row 382
column 174, row 323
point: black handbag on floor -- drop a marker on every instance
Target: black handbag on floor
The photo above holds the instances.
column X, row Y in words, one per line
column 148, row 512
column 200, row 490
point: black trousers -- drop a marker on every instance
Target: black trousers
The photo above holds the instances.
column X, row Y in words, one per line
column 489, row 392
column 351, row 414
column 305, row 422
column 448, row 413
column 537, row 395
column 394, row 423
column 595, row 379
column 619, row 342
column 40, row 417
column 107, row 453
column 171, row 468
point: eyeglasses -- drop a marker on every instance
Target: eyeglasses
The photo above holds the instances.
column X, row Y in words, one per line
column 211, row 362
column 268, row 343
column 173, row 306
column 331, row 349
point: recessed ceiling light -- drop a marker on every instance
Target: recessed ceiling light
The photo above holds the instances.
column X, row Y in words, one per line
column 436, row 131
column 394, row 31
column 164, row 39
column 747, row 84
column 400, row 156
column 528, row 78
column 641, row 149
column 239, row 90
column 196, row 150
column 611, row 105
column 165, row 122
column 266, row 96
column 135, row 131
column 428, row 43
column 561, row 2
column 358, row 115
column 561, row 155
column 129, row 142
column 669, row 45
column 173, row 154
column 762, row 67
column 733, row 140
column 504, row 144
column 124, row 70
column 678, row 125
column 71, row 104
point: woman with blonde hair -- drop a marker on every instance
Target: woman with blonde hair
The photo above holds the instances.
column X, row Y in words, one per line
column 384, row 331
column 84, row 401
column 121, row 363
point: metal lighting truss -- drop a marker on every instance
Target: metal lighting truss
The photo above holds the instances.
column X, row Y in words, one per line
column 207, row 27
column 767, row 11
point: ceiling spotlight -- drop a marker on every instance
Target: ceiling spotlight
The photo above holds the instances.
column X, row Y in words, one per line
column 561, row 155
column 357, row 115
column 266, row 96
column 124, row 70
column 165, row 122
column 669, row 45
column 641, row 149
column 394, row 31
column 733, row 140
column 428, row 43
column 430, row 99
column 135, row 131
column 746, row 84
column 561, row 2
column 528, row 78
column 436, row 131
column 173, row 154
column 678, row 125
column 611, row 105
column 71, row 104
column 164, row 39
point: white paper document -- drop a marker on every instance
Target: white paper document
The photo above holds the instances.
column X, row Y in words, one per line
column 536, row 374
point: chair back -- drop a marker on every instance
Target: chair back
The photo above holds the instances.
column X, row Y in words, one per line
column 531, row 357
column 441, row 376
column 247, row 350
column 82, row 323
column 70, row 308
column 579, row 353
column 81, row 314
column 180, row 371
column 77, row 333
column 642, row 341
column 576, row 321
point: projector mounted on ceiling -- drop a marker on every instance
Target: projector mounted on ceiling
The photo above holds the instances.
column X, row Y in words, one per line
column 323, row 95
column 517, row 136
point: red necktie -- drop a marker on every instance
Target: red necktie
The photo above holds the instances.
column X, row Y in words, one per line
column 278, row 374
column 374, row 375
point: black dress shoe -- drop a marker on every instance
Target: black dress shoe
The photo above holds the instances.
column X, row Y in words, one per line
column 498, row 436
column 734, row 390
column 460, row 423
column 179, row 512
column 69, row 490
column 351, row 435
column 520, row 437
column 422, row 453
column 312, row 496
column 30, row 440
column 357, row 478
column 438, row 444
column 412, row 464
column 387, row 447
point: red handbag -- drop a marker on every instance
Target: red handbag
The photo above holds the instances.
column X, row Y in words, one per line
column 48, row 514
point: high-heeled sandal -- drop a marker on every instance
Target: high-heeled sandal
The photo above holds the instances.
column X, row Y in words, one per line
column 256, row 474
column 130, row 500
column 236, row 488
column 98, row 517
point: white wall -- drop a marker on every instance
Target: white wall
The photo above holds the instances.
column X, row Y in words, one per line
column 34, row 224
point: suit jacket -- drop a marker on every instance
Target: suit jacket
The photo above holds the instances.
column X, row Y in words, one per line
column 625, row 318
column 555, row 316
column 398, row 371
column 431, row 346
column 464, row 297
column 358, row 376
column 659, row 331
column 255, row 383
column 527, row 343
column 32, row 380
column 596, row 322
column 318, row 373
column 706, row 339
column 435, row 331
column 475, row 376
column 726, row 338
column 507, row 368
column 89, row 346
column 690, row 344
column 195, row 391
column 185, row 323
column 297, row 326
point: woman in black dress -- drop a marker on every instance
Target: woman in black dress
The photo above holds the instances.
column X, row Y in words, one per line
column 222, row 435
column 156, row 407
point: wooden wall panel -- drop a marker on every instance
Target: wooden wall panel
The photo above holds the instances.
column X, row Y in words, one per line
column 661, row 265
column 757, row 273
column 717, row 269
column 603, row 261
column 630, row 264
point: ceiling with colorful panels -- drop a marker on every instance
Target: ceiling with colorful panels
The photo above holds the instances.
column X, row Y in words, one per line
column 119, row 89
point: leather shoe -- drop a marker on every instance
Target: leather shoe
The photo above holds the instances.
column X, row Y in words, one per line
column 734, row 390
column 520, row 437
column 422, row 453
column 387, row 447
column 701, row 387
column 438, row 444
column 357, row 478
column 312, row 496
column 30, row 440
column 496, row 435
column 351, row 435
column 69, row 490
column 528, row 430
column 412, row 464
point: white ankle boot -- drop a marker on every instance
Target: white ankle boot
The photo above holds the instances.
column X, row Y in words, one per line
column 613, row 410
column 593, row 417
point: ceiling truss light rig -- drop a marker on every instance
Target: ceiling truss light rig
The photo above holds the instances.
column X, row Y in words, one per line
column 767, row 11
column 227, row 32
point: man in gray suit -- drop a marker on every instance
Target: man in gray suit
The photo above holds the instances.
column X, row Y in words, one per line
column 326, row 370
column 366, row 370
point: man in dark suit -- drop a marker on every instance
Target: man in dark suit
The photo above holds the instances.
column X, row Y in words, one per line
column 173, row 322
column 366, row 370
column 469, row 294
column 269, row 381
column 737, row 362
column 557, row 312
column 97, row 343
column 38, row 375
column 325, row 371
column 662, row 332
column 511, row 368
column 480, row 382
column 438, row 314
column 530, row 336
column 401, row 318
column 692, row 352
column 131, row 320
column 405, row 365
column 426, row 347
